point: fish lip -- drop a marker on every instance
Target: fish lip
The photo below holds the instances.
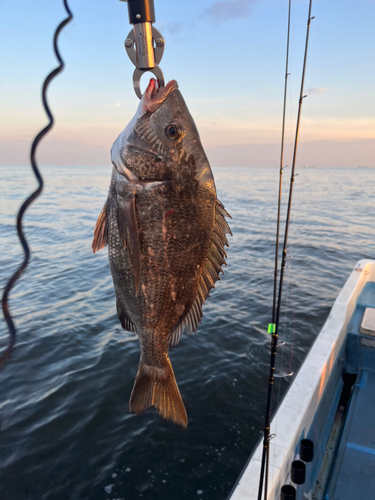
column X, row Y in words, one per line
column 153, row 98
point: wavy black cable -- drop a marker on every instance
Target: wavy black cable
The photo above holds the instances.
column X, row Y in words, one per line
column 12, row 280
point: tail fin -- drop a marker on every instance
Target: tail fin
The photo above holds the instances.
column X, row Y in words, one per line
column 158, row 387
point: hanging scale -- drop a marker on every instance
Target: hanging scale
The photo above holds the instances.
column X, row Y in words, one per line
column 144, row 44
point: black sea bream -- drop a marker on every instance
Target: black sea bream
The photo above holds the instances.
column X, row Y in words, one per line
column 166, row 232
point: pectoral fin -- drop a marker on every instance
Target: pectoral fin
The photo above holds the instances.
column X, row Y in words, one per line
column 128, row 229
column 101, row 230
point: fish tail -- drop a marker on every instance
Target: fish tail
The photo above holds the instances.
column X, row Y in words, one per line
column 157, row 386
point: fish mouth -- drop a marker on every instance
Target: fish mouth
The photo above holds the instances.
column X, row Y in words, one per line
column 155, row 96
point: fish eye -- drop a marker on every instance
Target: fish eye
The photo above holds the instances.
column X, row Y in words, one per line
column 173, row 131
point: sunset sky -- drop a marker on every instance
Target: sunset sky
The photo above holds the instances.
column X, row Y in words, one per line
column 229, row 60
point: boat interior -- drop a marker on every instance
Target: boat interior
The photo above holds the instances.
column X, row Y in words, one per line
column 352, row 467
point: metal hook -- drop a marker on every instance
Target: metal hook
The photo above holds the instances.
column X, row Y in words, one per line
column 158, row 44
column 137, row 78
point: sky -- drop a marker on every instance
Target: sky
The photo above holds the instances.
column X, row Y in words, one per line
column 228, row 57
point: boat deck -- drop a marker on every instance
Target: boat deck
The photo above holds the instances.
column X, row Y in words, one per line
column 354, row 469
column 354, row 473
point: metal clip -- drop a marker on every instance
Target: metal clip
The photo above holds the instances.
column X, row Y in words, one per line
column 145, row 47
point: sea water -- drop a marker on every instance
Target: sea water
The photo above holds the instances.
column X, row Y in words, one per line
column 65, row 427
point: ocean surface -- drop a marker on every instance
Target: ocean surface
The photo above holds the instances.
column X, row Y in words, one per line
column 65, row 428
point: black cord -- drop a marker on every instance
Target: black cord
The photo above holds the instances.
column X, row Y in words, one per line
column 12, row 280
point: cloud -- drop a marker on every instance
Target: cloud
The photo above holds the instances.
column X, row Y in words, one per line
column 226, row 10
column 317, row 90
column 117, row 105
column 177, row 28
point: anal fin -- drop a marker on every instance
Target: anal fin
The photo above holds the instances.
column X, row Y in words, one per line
column 126, row 323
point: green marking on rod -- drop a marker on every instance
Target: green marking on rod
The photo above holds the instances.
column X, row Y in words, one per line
column 271, row 328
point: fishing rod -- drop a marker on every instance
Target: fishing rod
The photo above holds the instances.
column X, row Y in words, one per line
column 26, row 249
column 274, row 326
column 281, row 173
column 274, row 302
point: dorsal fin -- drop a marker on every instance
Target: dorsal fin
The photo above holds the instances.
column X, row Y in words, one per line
column 189, row 322
column 101, row 230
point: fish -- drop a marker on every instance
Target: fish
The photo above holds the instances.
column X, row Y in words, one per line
column 166, row 235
